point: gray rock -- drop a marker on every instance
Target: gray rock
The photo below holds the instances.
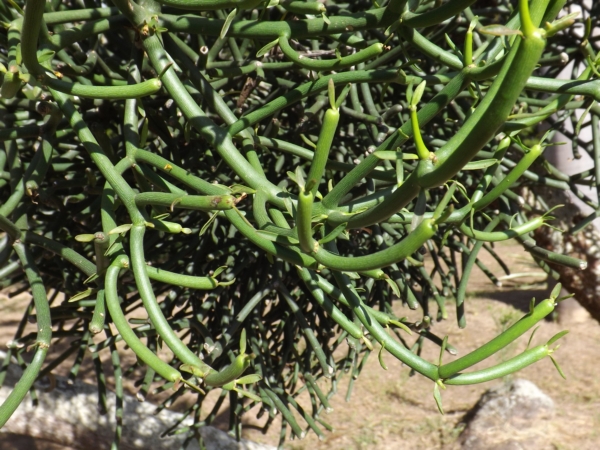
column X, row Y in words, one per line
column 511, row 416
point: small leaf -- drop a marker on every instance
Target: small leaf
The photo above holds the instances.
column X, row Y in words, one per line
column 367, row 342
column 353, row 276
column 319, row 218
column 241, row 189
column 144, row 132
column 499, row 30
column 388, row 155
column 481, row 164
column 409, row 91
column 111, row 248
column 218, row 271
column 227, row 23
column 556, row 337
column 249, row 379
column 380, row 356
column 307, row 141
column 196, row 371
column 334, row 233
column 121, row 229
column 226, row 283
column 300, row 178
column 442, row 350
column 556, row 291
column 85, row 237
column 250, row 395
column 562, row 374
column 266, row 48
column 161, row 216
column 450, row 43
column 560, row 24
column 292, row 176
column 45, row 55
column 353, row 213
column 338, row 55
column 92, row 277
column 438, row 398
column 394, row 286
column 416, row 97
column 325, row 19
column 81, row 295
column 194, row 387
column 243, row 342
column 208, row 223
column 531, row 337
column 401, row 325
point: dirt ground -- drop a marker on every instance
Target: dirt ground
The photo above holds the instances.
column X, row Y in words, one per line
column 391, row 410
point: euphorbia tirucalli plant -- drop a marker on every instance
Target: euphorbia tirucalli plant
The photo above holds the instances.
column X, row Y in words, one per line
column 267, row 176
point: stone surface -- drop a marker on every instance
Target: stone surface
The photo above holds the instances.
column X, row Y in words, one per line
column 511, row 416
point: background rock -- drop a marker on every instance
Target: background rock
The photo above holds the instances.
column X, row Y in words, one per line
column 509, row 417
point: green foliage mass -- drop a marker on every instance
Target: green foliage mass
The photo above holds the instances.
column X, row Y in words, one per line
column 259, row 184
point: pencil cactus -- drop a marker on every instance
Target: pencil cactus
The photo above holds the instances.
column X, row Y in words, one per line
column 306, row 154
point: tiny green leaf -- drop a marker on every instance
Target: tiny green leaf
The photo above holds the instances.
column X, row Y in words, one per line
column 45, row 55
column 556, row 291
column 481, row 164
column 416, row 97
column 241, row 189
column 121, row 229
column 499, row 30
column 218, row 271
column 249, row 379
column 394, row 287
column 401, row 325
column 250, row 395
column 334, row 233
column 556, row 337
column 243, row 341
column 562, row 374
column 81, row 295
column 263, row 51
column 196, row 371
column 208, row 223
column 92, row 277
column 85, row 237
column 380, row 356
column 443, row 349
column 438, row 398
column 227, row 23
column 299, row 178
column 450, row 43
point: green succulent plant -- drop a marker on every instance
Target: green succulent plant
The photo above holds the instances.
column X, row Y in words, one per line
column 269, row 175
